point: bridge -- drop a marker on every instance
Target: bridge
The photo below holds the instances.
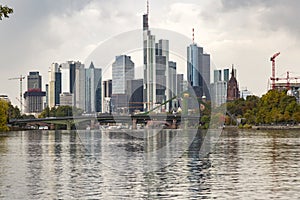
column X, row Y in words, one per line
column 173, row 119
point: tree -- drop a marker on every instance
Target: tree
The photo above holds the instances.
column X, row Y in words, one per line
column 5, row 11
column 13, row 112
column 3, row 115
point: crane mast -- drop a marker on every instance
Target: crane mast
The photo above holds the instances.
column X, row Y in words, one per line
column 272, row 59
column 21, row 89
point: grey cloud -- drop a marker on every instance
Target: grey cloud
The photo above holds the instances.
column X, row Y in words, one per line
column 229, row 5
column 277, row 15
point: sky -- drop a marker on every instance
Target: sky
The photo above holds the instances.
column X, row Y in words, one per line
column 243, row 33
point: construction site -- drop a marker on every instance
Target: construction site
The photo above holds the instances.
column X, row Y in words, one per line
column 290, row 83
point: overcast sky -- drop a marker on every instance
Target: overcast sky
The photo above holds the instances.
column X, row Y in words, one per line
column 243, row 33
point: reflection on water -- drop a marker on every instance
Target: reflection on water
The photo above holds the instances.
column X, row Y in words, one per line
column 149, row 165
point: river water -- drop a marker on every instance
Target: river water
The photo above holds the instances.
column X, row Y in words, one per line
column 147, row 165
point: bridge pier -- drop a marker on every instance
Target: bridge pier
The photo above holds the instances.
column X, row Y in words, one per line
column 134, row 124
column 52, row 127
column 173, row 126
column 69, row 125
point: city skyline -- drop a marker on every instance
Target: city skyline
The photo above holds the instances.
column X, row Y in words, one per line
column 228, row 30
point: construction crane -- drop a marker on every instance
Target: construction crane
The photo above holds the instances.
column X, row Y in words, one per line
column 288, row 79
column 21, row 103
column 21, row 89
column 272, row 59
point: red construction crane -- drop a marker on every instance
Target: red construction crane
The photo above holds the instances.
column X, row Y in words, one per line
column 273, row 69
column 288, row 79
column 21, row 89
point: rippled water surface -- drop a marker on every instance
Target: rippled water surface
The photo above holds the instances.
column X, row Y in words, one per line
column 143, row 165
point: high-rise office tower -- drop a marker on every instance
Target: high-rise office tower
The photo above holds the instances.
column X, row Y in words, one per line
column 106, row 96
column 93, row 94
column 135, row 95
column 172, row 84
column 217, row 75
column 54, row 85
column 34, row 95
column 73, row 76
column 47, row 96
column 179, row 85
column 149, row 65
column 198, row 70
column 122, row 71
column 218, row 89
column 79, row 86
column 226, row 75
column 159, row 84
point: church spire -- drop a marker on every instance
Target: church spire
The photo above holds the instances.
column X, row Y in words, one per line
column 232, row 71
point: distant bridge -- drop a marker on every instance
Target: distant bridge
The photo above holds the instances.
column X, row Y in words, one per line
column 173, row 119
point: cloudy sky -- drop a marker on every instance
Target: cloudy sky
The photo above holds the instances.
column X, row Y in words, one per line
column 243, row 33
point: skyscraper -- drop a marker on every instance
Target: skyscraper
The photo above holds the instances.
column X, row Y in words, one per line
column 226, row 75
column 106, row 96
column 73, row 75
column 218, row 89
column 135, row 95
column 79, row 86
column 217, row 75
column 122, row 71
column 159, row 78
column 93, row 93
column 180, row 84
column 172, row 84
column 54, row 85
column 198, row 70
column 149, row 65
column 34, row 95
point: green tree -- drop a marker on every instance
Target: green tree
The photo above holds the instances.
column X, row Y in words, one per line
column 5, row 11
column 13, row 112
column 3, row 115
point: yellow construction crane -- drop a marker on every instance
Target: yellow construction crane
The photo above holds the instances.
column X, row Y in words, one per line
column 21, row 89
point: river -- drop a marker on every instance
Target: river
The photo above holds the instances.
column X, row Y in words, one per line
column 242, row 164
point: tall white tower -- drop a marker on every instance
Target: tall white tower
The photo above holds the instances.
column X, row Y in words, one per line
column 149, row 64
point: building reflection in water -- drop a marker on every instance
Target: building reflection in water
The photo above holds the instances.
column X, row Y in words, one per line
column 161, row 157
column 34, row 163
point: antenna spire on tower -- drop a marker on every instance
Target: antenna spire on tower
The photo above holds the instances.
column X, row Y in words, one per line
column 147, row 7
column 193, row 35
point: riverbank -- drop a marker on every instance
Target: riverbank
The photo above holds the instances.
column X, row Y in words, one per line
column 266, row 127
column 276, row 127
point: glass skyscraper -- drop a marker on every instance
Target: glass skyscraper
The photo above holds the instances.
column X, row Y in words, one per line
column 54, row 85
column 198, row 70
column 93, row 93
column 122, row 71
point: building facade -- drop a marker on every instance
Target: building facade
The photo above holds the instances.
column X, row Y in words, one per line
column 93, row 93
column 34, row 94
column 72, row 81
column 135, row 95
column 233, row 92
column 198, row 70
column 122, row 71
column 54, row 86
column 106, row 96
column 149, row 66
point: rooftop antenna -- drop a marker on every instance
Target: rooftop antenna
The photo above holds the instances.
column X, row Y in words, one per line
column 193, row 36
column 147, row 7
